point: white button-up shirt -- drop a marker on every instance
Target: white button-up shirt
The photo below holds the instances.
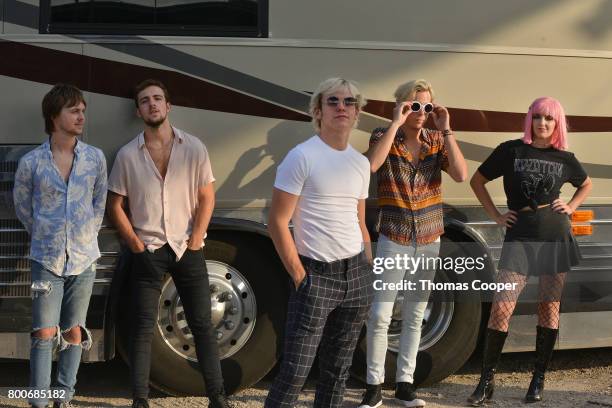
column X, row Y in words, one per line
column 162, row 210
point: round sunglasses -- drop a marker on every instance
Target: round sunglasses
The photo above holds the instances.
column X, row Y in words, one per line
column 417, row 106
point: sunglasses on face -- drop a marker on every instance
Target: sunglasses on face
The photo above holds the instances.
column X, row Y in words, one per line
column 334, row 101
column 417, row 106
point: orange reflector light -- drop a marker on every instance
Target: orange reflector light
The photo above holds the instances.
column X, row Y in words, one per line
column 582, row 215
column 582, row 229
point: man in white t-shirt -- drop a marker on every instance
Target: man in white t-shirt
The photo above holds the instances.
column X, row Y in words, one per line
column 322, row 185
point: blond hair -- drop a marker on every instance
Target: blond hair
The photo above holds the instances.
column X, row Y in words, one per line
column 331, row 85
column 407, row 92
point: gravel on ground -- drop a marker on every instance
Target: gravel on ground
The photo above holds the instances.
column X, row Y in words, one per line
column 577, row 378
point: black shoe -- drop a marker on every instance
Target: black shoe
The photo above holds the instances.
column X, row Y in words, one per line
column 220, row 401
column 545, row 343
column 405, row 394
column 494, row 343
column 536, row 387
column 485, row 388
column 140, row 403
column 372, row 396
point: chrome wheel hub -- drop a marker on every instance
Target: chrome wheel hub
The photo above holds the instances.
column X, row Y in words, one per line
column 233, row 312
column 436, row 320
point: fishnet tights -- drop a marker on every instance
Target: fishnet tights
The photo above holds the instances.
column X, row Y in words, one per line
column 504, row 302
column 551, row 288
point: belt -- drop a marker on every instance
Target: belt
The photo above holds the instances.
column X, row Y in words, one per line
column 339, row 266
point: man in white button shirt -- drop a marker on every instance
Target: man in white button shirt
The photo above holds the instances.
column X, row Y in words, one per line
column 322, row 185
column 166, row 176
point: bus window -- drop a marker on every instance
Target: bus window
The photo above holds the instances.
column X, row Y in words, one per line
column 220, row 18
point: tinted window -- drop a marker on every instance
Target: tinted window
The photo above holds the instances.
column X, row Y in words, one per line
column 165, row 17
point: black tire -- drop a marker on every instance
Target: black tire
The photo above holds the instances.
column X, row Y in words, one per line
column 254, row 257
column 455, row 344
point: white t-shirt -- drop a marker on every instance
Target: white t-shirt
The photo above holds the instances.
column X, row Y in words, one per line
column 329, row 182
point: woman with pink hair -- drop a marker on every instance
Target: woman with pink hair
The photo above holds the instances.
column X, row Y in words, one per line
column 538, row 238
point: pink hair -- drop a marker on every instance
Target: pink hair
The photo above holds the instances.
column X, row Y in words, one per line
column 547, row 106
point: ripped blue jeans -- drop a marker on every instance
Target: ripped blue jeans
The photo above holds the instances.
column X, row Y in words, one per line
column 58, row 302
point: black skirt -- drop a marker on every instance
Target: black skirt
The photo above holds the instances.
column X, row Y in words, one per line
column 539, row 243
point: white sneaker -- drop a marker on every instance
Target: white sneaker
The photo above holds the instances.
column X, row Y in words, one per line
column 415, row 403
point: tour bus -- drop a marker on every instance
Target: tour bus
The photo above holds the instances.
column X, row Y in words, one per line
column 240, row 74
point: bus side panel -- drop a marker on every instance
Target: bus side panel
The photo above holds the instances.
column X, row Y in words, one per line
column 2, row 16
column 20, row 17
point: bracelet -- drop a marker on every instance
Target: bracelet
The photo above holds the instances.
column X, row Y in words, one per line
column 447, row 132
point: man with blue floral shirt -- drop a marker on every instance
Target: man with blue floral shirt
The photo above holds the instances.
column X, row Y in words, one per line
column 60, row 194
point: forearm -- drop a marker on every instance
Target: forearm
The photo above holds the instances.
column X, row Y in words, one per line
column 367, row 242
column 482, row 194
column 285, row 247
column 22, row 198
column 23, row 211
column 202, row 218
column 122, row 223
column 580, row 195
column 365, row 234
column 457, row 167
column 99, row 204
column 378, row 152
column 100, row 193
column 26, row 219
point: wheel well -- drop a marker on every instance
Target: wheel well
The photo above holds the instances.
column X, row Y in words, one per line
column 457, row 234
column 254, row 233
column 254, row 238
column 476, row 248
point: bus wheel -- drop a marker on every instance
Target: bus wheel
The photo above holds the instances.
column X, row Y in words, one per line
column 449, row 332
column 248, row 301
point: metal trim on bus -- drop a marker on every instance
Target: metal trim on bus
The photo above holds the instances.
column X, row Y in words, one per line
column 307, row 43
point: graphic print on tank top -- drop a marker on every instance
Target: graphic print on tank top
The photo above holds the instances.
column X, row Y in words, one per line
column 538, row 178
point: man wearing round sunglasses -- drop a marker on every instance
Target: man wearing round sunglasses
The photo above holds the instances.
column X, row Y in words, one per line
column 322, row 185
column 408, row 159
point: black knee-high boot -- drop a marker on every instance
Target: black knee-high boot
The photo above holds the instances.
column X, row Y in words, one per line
column 494, row 343
column 545, row 343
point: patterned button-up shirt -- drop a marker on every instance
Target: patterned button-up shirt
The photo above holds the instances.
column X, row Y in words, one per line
column 409, row 196
column 62, row 218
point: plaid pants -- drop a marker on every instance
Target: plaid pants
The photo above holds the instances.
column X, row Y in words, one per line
column 327, row 311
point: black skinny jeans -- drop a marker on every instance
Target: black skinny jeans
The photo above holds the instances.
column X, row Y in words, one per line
column 191, row 279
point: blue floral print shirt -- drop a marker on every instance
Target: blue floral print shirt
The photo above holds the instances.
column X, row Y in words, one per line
column 63, row 219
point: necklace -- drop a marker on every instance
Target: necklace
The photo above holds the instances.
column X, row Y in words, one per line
column 162, row 146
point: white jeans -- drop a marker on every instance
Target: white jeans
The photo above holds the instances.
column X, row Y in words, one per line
column 413, row 308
